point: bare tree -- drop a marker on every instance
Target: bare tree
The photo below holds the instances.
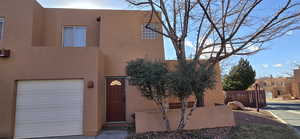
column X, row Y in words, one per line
column 220, row 28
column 225, row 66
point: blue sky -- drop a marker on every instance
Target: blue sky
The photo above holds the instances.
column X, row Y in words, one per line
column 278, row 59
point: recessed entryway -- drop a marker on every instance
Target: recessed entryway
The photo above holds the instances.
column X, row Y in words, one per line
column 49, row 108
column 115, row 89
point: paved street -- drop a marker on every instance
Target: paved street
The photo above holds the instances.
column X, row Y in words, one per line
column 286, row 111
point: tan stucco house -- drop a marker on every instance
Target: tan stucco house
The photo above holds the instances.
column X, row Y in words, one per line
column 279, row 87
column 296, row 84
column 62, row 71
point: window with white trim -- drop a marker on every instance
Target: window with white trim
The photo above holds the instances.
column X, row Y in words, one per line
column 74, row 36
column 148, row 34
column 1, row 28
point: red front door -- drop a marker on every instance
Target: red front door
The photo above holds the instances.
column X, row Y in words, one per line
column 115, row 99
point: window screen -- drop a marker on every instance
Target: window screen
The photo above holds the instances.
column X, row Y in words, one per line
column 74, row 36
column 1, row 28
column 148, row 34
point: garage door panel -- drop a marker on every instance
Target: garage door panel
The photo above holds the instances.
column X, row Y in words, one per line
column 41, row 91
column 49, row 108
column 45, row 92
column 46, row 121
column 56, row 100
column 49, row 129
column 46, row 87
column 30, row 116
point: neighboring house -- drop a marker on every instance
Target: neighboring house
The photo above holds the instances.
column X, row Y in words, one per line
column 279, row 87
column 296, row 84
column 286, row 87
column 65, row 74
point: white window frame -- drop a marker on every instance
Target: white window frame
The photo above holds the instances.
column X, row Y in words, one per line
column 73, row 26
column 148, row 34
column 2, row 28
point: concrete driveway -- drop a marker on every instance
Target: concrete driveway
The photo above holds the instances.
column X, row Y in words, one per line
column 288, row 112
column 106, row 134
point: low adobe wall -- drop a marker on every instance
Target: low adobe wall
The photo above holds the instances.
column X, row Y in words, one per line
column 247, row 98
column 205, row 117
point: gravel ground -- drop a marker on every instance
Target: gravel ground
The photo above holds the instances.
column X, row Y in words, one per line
column 216, row 133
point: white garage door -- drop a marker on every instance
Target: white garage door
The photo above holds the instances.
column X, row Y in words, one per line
column 49, row 108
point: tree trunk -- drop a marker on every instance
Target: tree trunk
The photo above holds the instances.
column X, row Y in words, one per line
column 163, row 110
column 184, row 115
column 182, row 121
column 166, row 119
column 191, row 112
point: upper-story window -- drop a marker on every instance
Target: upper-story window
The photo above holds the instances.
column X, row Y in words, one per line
column 1, row 28
column 74, row 36
column 148, row 34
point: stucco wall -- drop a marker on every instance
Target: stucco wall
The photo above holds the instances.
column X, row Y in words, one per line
column 296, row 84
column 297, row 75
column 136, row 103
column 129, row 45
column 18, row 22
column 119, row 29
column 56, row 19
column 38, row 24
column 101, row 92
column 293, row 85
column 295, row 89
column 215, row 95
column 211, row 96
column 17, row 32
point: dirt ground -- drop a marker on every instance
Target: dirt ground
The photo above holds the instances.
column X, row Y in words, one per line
column 251, row 116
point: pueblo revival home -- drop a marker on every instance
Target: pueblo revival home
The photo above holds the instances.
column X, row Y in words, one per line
column 62, row 71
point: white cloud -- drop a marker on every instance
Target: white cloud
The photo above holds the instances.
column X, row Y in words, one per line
column 295, row 62
column 189, row 43
column 278, row 65
column 83, row 4
column 253, row 48
column 265, row 65
column 209, row 51
column 290, row 33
